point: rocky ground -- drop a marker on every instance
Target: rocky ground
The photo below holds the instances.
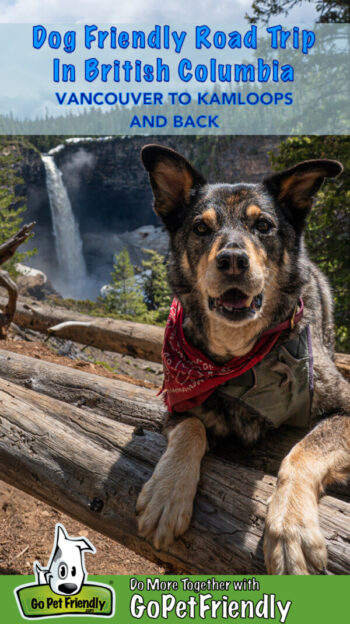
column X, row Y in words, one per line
column 27, row 531
column 26, row 524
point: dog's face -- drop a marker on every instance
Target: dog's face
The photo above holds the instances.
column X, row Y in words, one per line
column 228, row 242
column 235, row 247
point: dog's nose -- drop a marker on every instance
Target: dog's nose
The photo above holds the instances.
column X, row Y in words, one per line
column 67, row 588
column 232, row 261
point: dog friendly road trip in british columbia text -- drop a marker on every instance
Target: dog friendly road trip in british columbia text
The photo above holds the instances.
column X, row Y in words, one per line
column 200, row 57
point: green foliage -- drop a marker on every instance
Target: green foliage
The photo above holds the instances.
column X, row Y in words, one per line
column 155, row 283
column 328, row 231
column 125, row 300
column 45, row 142
column 11, row 203
column 111, row 369
column 125, row 295
column 99, row 308
column 329, row 11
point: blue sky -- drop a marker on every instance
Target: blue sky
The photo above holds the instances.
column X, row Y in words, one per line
column 136, row 11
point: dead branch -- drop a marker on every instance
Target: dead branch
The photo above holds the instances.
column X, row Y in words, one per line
column 8, row 248
column 6, row 317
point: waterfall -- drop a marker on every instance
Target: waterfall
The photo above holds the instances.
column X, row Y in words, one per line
column 72, row 275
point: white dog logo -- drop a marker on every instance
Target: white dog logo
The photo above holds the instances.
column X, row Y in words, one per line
column 65, row 572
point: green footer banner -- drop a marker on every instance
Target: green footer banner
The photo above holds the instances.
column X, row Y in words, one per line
column 207, row 599
column 63, row 589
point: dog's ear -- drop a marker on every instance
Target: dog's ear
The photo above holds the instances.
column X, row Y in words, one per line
column 295, row 188
column 84, row 544
column 174, row 182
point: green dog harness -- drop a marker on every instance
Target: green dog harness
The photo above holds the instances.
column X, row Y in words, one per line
column 279, row 387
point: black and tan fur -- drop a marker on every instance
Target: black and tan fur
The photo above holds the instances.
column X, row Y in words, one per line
column 248, row 237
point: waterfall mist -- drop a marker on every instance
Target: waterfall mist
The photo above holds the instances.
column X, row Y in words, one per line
column 92, row 203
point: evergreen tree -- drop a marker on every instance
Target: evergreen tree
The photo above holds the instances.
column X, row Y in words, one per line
column 328, row 231
column 12, row 205
column 329, row 11
column 125, row 296
column 328, row 228
column 155, row 283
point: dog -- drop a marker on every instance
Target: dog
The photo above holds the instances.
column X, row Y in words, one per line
column 65, row 573
column 242, row 282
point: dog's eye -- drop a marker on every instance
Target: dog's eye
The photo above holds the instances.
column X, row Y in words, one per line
column 263, row 225
column 62, row 570
column 73, row 571
column 200, row 228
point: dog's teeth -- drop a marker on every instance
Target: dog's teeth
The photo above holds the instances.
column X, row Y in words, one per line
column 249, row 301
column 258, row 301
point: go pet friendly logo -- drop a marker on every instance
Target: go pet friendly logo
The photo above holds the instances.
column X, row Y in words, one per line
column 61, row 589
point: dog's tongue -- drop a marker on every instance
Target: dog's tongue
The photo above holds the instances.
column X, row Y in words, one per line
column 233, row 299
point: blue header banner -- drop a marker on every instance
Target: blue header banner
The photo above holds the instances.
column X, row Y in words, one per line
column 174, row 79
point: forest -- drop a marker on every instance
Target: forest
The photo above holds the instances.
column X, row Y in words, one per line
column 327, row 234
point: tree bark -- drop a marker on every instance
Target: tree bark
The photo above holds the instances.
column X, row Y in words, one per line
column 7, row 249
column 136, row 406
column 6, row 317
column 128, row 403
column 92, row 467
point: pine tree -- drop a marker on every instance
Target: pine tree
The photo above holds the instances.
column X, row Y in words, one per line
column 328, row 11
column 12, row 206
column 125, row 296
column 155, row 283
column 328, row 227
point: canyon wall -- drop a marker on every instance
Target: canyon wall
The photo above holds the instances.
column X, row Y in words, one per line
column 110, row 193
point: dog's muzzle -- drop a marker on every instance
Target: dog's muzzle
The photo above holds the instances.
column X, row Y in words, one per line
column 235, row 305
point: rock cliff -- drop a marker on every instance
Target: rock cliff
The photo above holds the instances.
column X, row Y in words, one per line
column 110, row 194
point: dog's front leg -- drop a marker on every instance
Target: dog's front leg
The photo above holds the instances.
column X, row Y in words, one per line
column 166, row 501
column 293, row 541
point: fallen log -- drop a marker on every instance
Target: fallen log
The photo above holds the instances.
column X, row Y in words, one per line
column 135, row 406
column 122, row 401
column 136, row 339
column 92, row 467
column 342, row 361
column 143, row 341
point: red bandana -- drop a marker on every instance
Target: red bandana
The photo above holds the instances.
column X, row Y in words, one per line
column 190, row 377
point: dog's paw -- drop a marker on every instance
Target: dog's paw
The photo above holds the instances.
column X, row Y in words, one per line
column 293, row 542
column 165, row 503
